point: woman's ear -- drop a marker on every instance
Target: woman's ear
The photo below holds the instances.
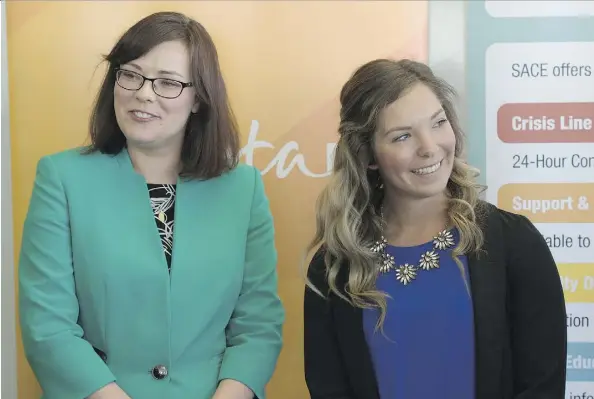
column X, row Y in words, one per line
column 195, row 107
column 373, row 163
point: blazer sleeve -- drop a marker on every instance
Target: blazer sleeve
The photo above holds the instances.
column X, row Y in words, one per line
column 65, row 365
column 537, row 310
column 325, row 374
column 254, row 333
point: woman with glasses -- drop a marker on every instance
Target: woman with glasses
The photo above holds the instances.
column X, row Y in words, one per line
column 148, row 264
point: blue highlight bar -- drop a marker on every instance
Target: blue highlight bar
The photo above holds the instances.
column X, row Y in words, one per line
column 580, row 361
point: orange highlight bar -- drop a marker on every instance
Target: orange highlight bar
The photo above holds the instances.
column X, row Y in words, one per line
column 546, row 123
column 549, row 203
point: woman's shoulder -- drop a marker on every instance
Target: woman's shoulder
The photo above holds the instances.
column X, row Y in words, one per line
column 76, row 159
column 243, row 173
column 68, row 155
column 488, row 211
column 240, row 180
column 317, row 270
column 317, row 265
column 509, row 225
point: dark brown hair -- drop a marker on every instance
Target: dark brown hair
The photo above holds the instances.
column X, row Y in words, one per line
column 211, row 141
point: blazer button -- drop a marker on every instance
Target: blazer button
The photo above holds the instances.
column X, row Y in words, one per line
column 159, row 372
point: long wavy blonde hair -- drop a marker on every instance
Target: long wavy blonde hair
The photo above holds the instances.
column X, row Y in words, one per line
column 347, row 210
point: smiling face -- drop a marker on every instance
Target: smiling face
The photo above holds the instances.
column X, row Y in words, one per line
column 149, row 120
column 414, row 145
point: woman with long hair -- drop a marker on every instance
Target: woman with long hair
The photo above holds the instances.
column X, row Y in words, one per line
column 419, row 289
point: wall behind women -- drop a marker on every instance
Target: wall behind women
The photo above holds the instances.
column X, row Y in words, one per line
column 284, row 63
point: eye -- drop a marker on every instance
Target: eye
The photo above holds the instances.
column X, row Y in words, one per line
column 169, row 83
column 128, row 74
column 402, row 137
column 440, row 123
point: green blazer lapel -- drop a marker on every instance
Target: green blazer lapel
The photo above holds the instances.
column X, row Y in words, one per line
column 129, row 218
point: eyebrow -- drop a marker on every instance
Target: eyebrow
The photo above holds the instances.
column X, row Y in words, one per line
column 161, row 72
column 399, row 128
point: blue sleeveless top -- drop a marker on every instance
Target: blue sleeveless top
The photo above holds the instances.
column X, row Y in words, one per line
column 426, row 350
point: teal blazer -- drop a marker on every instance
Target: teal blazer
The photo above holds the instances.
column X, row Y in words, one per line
column 93, row 280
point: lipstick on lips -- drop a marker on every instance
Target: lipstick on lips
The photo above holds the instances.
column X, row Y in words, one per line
column 143, row 116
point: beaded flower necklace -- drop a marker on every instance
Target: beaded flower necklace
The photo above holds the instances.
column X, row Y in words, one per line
column 407, row 272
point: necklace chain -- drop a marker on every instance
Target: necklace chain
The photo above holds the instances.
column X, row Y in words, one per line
column 407, row 273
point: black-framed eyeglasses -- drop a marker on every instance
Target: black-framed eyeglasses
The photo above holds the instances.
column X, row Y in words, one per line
column 163, row 87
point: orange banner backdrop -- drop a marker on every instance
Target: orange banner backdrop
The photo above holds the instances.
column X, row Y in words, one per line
column 284, row 63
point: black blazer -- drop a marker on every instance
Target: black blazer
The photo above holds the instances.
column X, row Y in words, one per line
column 519, row 313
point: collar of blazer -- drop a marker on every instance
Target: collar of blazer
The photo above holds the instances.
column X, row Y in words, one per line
column 125, row 163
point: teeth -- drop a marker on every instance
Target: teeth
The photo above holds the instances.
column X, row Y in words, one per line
column 143, row 115
column 427, row 170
